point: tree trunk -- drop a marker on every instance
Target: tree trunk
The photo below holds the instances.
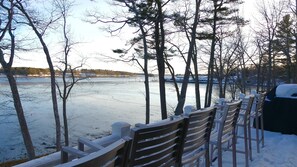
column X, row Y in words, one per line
column 21, row 116
column 220, row 73
column 160, row 39
column 269, row 74
column 66, row 134
column 208, row 92
column 18, row 107
column 259, row 67
column 243, row 75
column 147, row 95
column 146, row 77
column 145, row 60
column 52, row 73
column 182, row 99
column 171, row 70
column 197, row 85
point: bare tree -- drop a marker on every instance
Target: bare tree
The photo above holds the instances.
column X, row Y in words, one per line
column 223, row 22
column 152, row 17
column 141, row 20
column 226, row 59
column 159, row 39
column 208, row 93
column 69, row 77
column 184, row 20
column 7, row 26
column 39, row 27
column 245, row 58
column 270, row 15
column 190, row 56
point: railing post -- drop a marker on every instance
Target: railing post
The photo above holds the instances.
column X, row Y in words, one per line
column 241, row 96
column 120, row 129
column 188, row 109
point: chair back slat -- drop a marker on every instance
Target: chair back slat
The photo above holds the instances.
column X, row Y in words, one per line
column 163, row 161
column 145, row 133
column 157, row 140
column 200, row 125
column 157, row 148
column 230, row 115
column 260, row 98
column 154, row 156
column 246, row 107
column 225, row 130
column 158, row 144
column 197, row 132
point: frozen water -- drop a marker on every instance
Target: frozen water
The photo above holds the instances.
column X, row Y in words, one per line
column 92, row 107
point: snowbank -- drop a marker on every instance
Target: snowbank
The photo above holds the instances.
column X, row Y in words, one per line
column 279, row 151
column 286, row 91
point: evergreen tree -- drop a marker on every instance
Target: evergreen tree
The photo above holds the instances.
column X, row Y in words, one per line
column 147, row 17
column 284, row 43
column 225, row 19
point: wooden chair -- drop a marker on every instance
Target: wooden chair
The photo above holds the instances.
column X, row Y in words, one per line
column 244, row 122
column 198, row 134
column 158, row 144
column 115, row 154
column 225, row 131
column 257, row 117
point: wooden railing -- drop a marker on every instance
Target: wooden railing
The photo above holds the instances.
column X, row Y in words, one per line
column 119, row 130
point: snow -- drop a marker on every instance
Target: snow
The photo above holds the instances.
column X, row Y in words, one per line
column 286, row 91
column 279, row 150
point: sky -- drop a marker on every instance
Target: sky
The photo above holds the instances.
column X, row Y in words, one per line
column 94, row 41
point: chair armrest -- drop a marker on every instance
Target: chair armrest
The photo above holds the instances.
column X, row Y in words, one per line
column 173, row 117
column 71, row 150
column 84, row 141
column 74, row 151
column 140, row 125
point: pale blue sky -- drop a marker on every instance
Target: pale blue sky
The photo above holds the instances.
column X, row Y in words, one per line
column 95, row 41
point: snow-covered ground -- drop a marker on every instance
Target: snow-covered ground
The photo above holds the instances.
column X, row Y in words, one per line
column 279, row 150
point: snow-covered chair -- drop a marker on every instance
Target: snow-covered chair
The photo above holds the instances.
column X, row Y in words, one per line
column 115, row 154
column 225, row 131
column 244, row 123
column 257, row 116
column 198, row 134
column 159, row 144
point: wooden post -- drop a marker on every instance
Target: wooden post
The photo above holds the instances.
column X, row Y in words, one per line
column 121, row 129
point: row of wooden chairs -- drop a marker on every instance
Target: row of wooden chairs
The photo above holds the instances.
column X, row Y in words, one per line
column 178, row 142
column 251, row 112
column 171, row 143
column 224, row 131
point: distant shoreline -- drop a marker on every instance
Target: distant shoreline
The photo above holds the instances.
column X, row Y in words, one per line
column 59, row 76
